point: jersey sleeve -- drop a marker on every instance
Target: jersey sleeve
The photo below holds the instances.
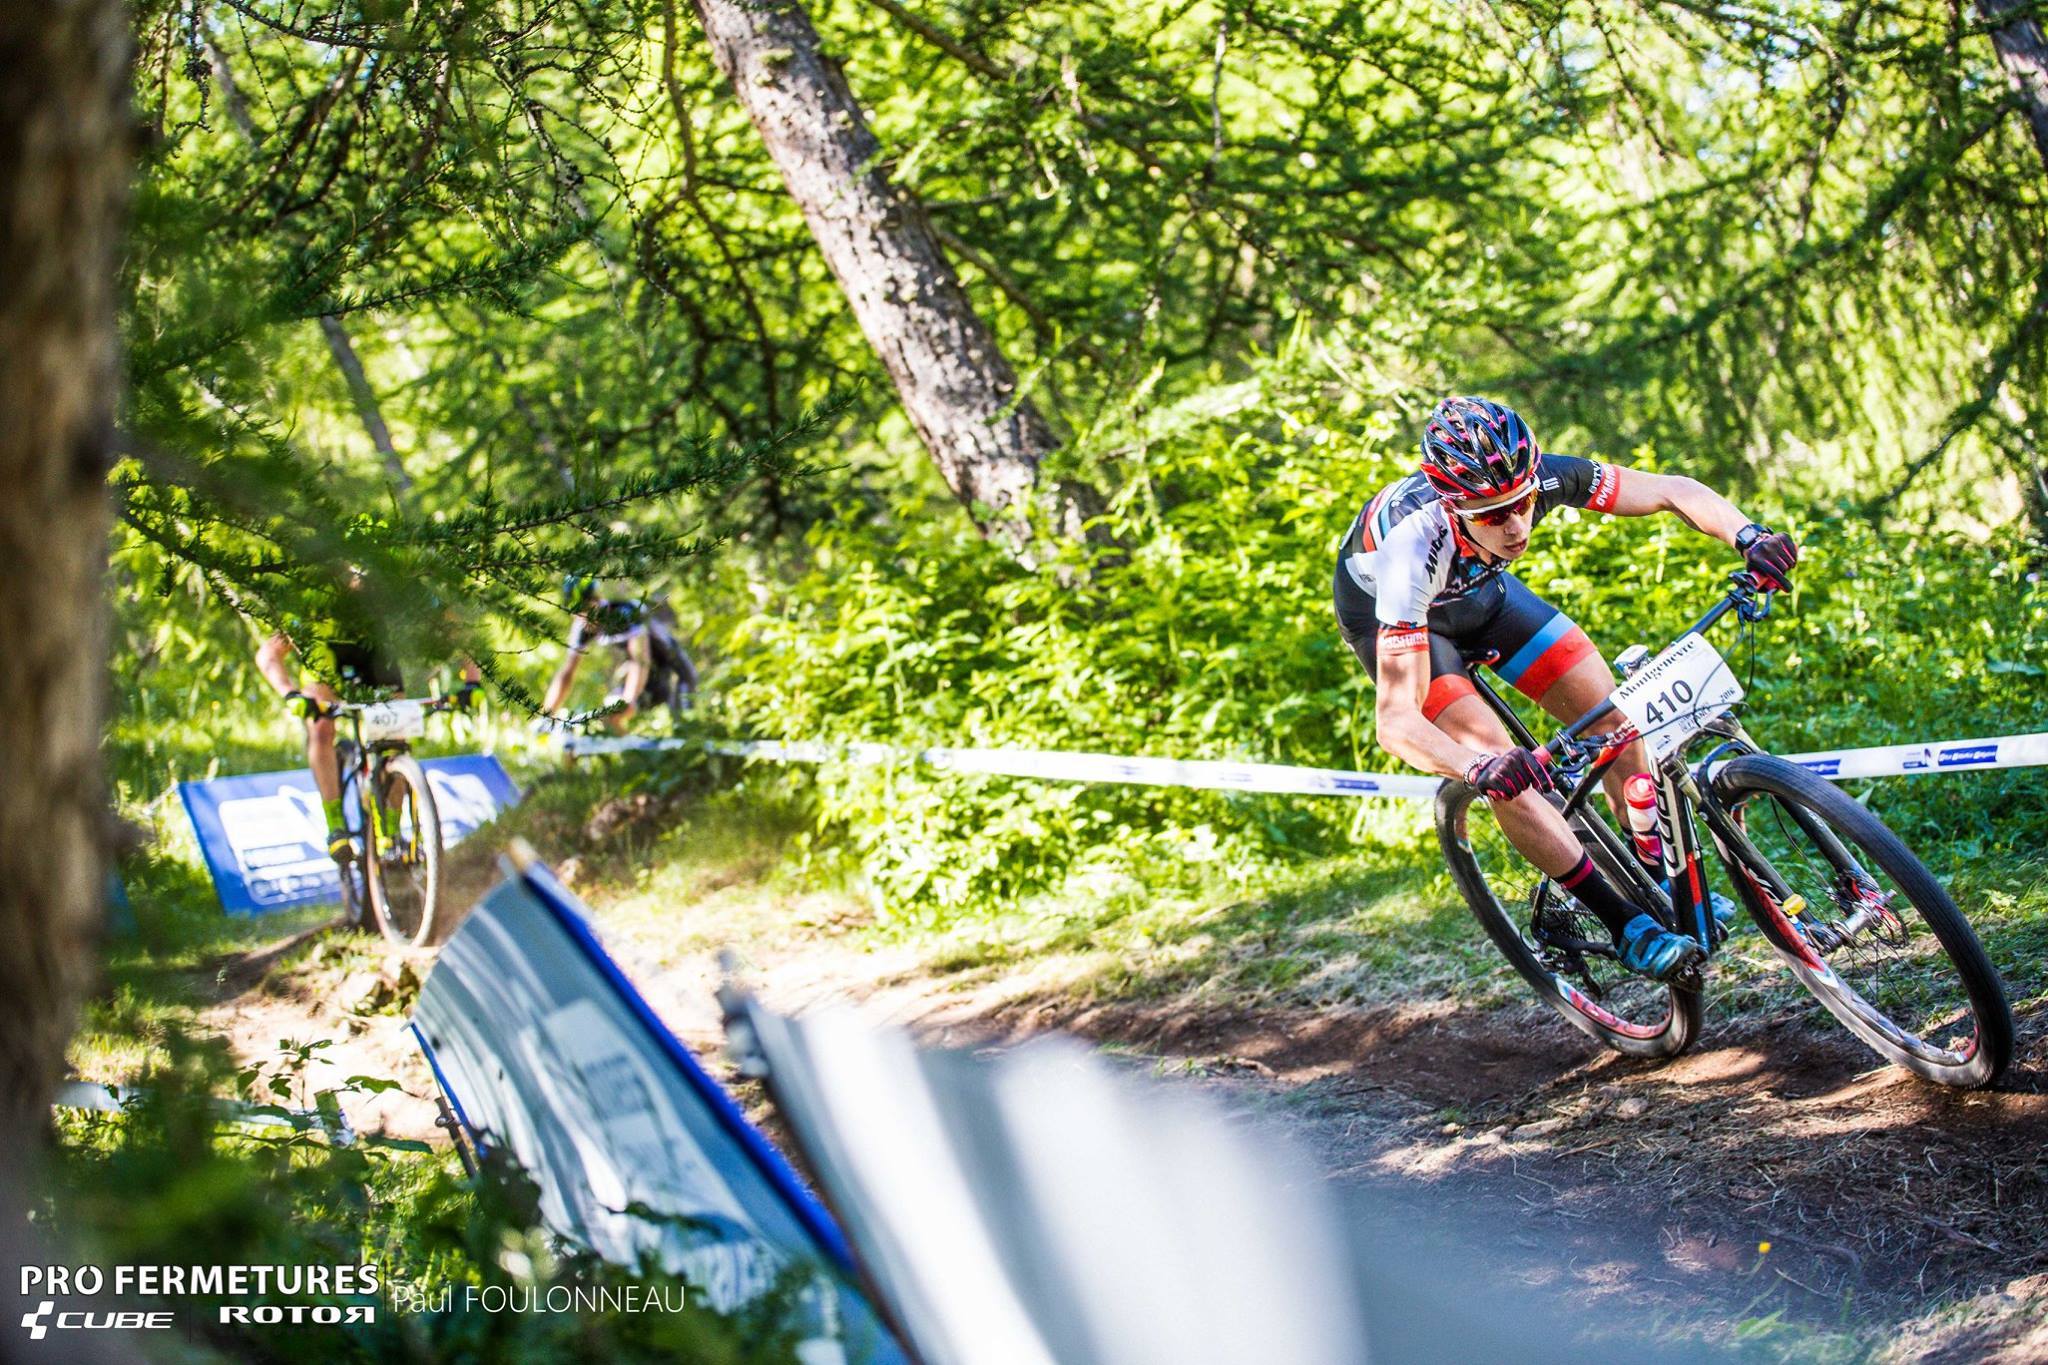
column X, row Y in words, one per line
column 1568, row 481
column 579, row 635
column 1414, row 564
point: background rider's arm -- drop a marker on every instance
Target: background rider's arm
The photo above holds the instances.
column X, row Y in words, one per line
column 558, row 686
column 271, row 661
column 1398, row 720
column 1698, row 506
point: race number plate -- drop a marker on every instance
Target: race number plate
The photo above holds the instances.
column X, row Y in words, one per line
column 395, row 720
column 1675, row 694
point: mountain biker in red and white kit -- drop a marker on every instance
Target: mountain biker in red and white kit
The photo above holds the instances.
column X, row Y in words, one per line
column 1423, row 590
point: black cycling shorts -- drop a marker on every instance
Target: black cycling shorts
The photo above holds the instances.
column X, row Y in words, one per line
column 359, row 666
column 1531, row 643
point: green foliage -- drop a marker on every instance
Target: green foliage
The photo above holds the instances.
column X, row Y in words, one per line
column 149, row 1184
column 1212, row 637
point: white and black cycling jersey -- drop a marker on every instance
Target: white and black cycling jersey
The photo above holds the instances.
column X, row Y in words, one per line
column 1406, row 552
column 609, row 623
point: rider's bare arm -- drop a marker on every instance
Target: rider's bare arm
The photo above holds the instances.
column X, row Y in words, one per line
column 1641, row 494
column 558, row 686
column 272, row 658
column 1397, row 714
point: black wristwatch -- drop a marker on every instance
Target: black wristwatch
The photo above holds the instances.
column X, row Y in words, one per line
column 1750, row 535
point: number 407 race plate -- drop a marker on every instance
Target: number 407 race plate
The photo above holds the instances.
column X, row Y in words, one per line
column 1675, row 694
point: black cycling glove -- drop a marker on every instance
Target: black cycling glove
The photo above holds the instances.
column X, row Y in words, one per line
column 1508, row 775
column 1769, row 555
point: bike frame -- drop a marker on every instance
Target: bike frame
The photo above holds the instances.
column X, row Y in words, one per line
column 1680, row 794
column 370, row 761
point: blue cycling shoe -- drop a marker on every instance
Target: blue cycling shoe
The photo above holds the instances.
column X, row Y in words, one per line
column 1648, row 947
column 1723, row 908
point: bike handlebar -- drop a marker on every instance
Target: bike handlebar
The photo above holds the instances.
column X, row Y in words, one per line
column 316, row 710
column 1749, row 599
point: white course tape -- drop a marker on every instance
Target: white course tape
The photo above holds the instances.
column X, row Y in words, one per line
column 1962, row 755
column 1170, row 772
column 1956, row 755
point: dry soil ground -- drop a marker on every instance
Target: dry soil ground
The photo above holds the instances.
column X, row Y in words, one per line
column 1772, row 1190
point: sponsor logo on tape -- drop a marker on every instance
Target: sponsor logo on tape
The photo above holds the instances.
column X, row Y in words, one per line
column 1956, row 757
column 1823, row 767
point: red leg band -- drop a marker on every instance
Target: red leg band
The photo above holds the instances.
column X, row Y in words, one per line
column 1443, row 690
column 1553, row 663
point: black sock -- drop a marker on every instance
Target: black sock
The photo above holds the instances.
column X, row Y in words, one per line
column 1592, row 890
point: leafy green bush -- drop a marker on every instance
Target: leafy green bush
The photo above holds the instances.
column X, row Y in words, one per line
column 1210, row 635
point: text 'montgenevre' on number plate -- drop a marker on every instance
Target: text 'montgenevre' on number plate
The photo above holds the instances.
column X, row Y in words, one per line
column 1675, row 694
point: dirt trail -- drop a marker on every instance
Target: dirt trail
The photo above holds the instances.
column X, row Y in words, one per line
column 1543, row 1162
column 1583, row 1175
column 347, row 1000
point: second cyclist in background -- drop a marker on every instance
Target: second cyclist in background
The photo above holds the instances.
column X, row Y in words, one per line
column 653, row 669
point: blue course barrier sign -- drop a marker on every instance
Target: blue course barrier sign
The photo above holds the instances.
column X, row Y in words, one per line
column 551, row 1059
column 265, row 840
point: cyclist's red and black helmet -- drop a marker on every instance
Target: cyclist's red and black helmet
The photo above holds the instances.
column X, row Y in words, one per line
column 1476, row 451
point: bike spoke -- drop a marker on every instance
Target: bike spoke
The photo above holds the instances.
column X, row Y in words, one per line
column 1564, row 936
column 1859, row 923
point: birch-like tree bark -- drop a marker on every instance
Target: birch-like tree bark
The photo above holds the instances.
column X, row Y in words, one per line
column 343, row 348
column 955, row 384
column 2023, row 52
column 65, row 136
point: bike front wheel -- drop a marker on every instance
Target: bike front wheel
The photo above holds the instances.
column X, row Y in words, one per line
column 1877, row 940
column 1558, row 947
column 404, row 846
column 356, row 910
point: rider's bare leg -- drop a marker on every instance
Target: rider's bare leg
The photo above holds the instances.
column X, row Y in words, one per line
column 320, row 744
column 1578, row 690
column 1531, row 823
column 632, row 681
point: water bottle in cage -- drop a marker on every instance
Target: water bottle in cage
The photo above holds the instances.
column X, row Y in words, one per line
column 1640, row 795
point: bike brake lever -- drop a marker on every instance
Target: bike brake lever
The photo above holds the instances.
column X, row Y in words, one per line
column 1752, row 599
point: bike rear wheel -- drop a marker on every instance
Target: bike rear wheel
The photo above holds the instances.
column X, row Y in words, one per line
column 1533, row 922
column 1879, row 942
column 404, row 862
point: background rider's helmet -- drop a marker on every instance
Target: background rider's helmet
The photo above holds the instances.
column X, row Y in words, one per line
column 1474, row 450
column 578, row 588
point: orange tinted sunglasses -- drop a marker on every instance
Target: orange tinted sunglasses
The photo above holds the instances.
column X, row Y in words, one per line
column 1500, row 516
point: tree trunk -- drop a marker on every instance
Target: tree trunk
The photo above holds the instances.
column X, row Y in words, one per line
column 65, row 136
column 344, row 352
column 339, row 344
column 2024, row 55
column 958, row 389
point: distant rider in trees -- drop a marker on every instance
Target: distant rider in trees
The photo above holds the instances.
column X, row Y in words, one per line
column 653, row 668
column 350, row 651
column 1423, row 591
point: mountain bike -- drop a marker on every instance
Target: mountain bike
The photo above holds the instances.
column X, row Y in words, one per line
column 393, row 881
column 1840, row 900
